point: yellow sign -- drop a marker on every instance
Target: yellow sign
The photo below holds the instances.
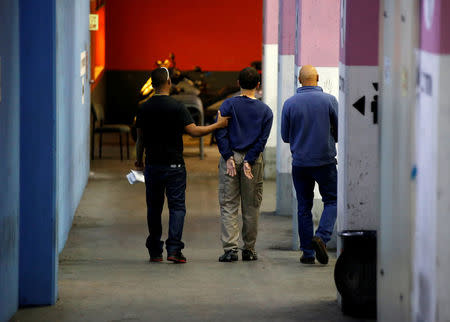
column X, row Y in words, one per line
column 93, row 22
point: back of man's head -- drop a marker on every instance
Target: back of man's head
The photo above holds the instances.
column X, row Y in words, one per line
column 248, row 78
column 160, row 76
column 308, row 76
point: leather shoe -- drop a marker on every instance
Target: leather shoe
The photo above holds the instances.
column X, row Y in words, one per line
column 321, row 250
column 307, row 260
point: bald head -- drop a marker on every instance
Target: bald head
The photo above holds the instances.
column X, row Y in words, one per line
column 308, row 76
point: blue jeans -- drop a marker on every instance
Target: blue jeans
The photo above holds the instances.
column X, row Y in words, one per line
column 304, row 180
column 160, row 180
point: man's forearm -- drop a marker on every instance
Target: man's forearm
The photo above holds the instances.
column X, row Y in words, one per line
column 255, row 151
column 260, row 144
column 223, row 143
column 198, row 131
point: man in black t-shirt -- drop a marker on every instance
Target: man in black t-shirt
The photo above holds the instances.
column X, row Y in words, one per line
column 161, row 122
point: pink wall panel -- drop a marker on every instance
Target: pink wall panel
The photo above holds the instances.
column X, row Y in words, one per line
column 318, row 26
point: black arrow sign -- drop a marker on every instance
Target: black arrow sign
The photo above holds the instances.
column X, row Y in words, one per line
column 360, row 105
column 374, row 109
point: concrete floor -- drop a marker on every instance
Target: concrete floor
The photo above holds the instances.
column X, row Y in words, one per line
column 104, row 273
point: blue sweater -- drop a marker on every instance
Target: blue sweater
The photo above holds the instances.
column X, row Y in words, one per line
column 309, row 122
column 248, row 128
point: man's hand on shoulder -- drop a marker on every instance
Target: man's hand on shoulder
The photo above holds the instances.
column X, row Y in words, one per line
column 222, row 121
column 196, row 131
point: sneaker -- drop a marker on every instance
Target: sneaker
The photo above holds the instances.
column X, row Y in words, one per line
column 249, row 255
column 229, row 256
column 321, row 250
column 307, row 260
column 176, row 257
column 156, row 258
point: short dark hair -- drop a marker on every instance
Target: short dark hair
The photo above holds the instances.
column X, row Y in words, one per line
column 248, row 78
column 159, row 77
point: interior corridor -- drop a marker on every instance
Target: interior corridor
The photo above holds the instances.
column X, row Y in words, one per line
column 104, row 273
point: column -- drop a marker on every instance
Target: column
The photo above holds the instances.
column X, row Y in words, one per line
column 317, row 44
column 398, row 41
column 358, row 117
column 358, row 166
column 431, row 284
column 9, row 158
column 270, row 80
column 286, row 88
column 38, row 233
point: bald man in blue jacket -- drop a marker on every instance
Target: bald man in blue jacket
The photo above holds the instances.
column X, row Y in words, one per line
column 309, row 124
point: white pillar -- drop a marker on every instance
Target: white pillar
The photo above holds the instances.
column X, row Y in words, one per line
column 286, row 88
column 358, row 124
column 431, row 283
column 270, row 79
column 358, row 166
column 399, row 41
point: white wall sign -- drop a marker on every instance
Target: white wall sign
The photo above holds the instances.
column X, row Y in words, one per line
column 93, row 22
column 83, row 63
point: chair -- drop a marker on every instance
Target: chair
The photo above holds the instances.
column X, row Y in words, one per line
column 99, row 127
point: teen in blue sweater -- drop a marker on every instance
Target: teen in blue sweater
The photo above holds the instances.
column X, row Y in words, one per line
column 241, row 166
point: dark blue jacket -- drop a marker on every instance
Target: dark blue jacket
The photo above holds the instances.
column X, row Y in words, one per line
column 248, row 128
column 309, row 122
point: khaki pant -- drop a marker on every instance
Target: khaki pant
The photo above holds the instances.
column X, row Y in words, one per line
column 240, row 190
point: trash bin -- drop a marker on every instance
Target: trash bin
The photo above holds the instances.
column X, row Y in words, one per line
column 355, row 273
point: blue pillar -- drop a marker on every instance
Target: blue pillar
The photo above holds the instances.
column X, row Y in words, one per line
column 9, row 158
column 38, row 241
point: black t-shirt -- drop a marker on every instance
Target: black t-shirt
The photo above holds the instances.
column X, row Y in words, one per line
column 162, row 120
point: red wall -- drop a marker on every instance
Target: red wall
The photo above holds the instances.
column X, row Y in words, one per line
column 98, row 45
column 215, row 35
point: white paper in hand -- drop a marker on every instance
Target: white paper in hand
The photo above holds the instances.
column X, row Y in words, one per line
column 135, row 176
